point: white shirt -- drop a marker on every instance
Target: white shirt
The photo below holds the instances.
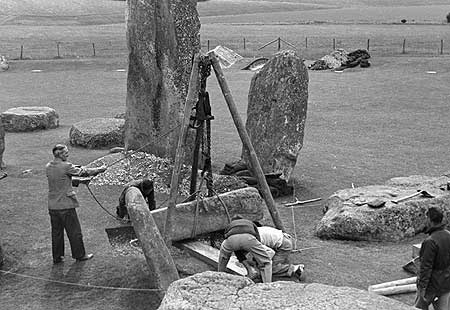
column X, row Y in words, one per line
column 271, row 237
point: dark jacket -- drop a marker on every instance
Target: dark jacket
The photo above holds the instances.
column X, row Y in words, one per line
column 434, row 275
column 242, row 226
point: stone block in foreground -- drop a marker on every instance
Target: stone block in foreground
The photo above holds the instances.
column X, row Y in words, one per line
column 350, row 216
column 215, row 290
column 29, row 118
column 98, row 133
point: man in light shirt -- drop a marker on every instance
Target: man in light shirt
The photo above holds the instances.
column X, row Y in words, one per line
column 281, row 245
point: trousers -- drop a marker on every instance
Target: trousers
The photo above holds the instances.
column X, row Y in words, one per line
column 66, row 219
column 439, row 302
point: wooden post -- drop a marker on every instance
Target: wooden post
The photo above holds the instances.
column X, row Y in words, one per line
column 306, row 42
column 404, row 46
column 160, row 264
column 368, row 44
column 240, row 126
column 57, row 49
column 334, row 44
column 244, row 43
column 93, row 49
column 208, row 46
column 21, row 52
column 174, row 182
column 442, row 46
column 279, row 43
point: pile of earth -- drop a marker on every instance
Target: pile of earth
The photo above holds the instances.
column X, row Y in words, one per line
column 124, row 167
column 278, row 186
column 340, row 59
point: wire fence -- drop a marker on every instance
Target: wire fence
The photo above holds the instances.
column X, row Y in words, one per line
column 309, row 47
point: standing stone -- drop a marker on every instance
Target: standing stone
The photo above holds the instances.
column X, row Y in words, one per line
column 2, row 144
column 163, row 36
column 276, row 113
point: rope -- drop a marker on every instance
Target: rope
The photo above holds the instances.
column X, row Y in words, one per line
column 101, row 206
column 223, row 204
column 81, row 285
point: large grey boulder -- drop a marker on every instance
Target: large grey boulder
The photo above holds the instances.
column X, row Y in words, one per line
column 97, row 133
column 216, row 291
column 369, row 213
column 163, row 37
column 276, row 113
column 29, row 119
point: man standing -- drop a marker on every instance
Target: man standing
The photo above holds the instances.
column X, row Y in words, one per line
column 147, row 190
column 242, row 235
column 433, row 281
column 62, row 202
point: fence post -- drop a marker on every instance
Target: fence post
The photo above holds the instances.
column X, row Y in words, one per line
column 368, row 44
column 21, row 52
column 404, row 46
column 57, row 49
column 93, row 48
column 244, row 43
column 334, row 44
column 279, row 43
column 208, row 45
column 442, row 46
column 306, row 42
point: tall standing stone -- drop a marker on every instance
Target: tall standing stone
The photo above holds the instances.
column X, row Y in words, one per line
column 276, row 113
column 163, row 36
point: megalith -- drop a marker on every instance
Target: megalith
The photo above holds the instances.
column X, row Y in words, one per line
column 162, row 36
column 216, row 290
column 276, row 113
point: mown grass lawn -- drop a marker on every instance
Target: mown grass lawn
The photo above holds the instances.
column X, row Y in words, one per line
column 364, row 126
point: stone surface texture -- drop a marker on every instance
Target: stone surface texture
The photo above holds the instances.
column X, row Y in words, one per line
column 276, row 113
column 29, row 119
column 213, row 291
column 98, row 133
column 163, row 36
column 348, row 215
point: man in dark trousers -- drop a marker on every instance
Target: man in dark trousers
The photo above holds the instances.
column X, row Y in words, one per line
column 147, row 190
column 242, row 235
column 433, row 281
column 62, row 202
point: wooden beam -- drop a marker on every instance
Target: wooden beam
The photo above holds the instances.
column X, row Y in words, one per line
column 210, row 255
column 393, row 290
column 179, row 156
column 240, row 126
column 159, row 261
column 405, row 281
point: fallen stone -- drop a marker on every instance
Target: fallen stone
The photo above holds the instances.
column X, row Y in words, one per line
column 350, row 215
column 214, row 290
column 276, row 113
column 98, row 133
column 29, row 118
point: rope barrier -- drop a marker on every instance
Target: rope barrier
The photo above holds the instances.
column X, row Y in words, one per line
column 81, row 285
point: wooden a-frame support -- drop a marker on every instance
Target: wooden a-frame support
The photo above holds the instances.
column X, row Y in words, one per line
column 255, row 165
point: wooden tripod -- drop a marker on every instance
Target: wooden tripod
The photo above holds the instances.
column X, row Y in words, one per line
column 240, row 126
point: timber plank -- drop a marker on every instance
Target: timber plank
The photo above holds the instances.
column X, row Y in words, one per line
column 210, row 255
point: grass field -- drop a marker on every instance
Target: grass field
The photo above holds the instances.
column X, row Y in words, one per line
column 364, row 126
